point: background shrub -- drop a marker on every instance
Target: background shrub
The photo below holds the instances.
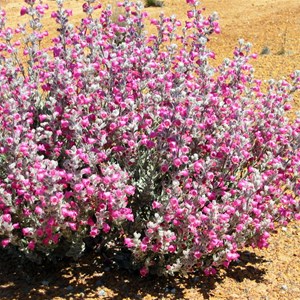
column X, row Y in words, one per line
column 139, row 142
column 155, row 3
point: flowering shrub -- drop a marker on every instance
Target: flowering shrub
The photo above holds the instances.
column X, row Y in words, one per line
column 113, row 133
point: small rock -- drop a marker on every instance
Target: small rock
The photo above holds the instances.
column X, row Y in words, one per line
column 102, row 293
column 265, row 51
column 99, row 282
column 170, row 290
column 45, row 282
column 284, row 287
column 69, row 288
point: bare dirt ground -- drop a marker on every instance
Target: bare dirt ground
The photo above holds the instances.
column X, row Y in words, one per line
column 273, row 27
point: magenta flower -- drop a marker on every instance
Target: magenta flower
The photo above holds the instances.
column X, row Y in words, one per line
column 23, row 11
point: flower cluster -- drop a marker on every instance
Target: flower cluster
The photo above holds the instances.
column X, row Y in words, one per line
column 113, row 132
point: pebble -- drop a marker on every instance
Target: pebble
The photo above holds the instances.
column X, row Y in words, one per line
column 170, row 290
column 69, row 288
column 284, row 287
column 99, row 282
column 45, row 282
column 102, row 293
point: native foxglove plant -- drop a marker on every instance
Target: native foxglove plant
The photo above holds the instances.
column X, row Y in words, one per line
column 136, row 138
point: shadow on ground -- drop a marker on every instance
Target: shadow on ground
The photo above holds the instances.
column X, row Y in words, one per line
column 93, row 278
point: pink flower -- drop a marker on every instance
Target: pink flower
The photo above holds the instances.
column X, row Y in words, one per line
column 9, row 140
column 65, row 212
column 190, row 14
column 16, row 225
column 54, row 200
column 210, row 271
column 192, row 2
column 26, row 231
column 154, row 22
column 129, row 216
column 85, row 7
column 235, row 160
column 94, row 232
column 69, row 12
column 31, row 245
column 121, row 18
column 150, row 144
column 174, row 202
column 210, row 176
column 106, row 227
column 46, row 241
column 156, row 247
column 144, row 271
column 193, row 193
column 6, row 218
column 143, row 247
column 23, row 11
column 167, row 123
column 197, row 254
column 78, row 187
column 39, row 232
column 129, row 242
column 112, row 126
column 198, row 167
column 164, row 168
column 184, row 159
column 177, row 162
column 232, row 256
column 73, row 226
column 172, row 248
column 38, row 210
column 217, row 30
column 54, row 15
column 5, row 242
column 72, row 214
column 287, row 107
column 156, row 205
column 130, row 190
column 55, row 238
